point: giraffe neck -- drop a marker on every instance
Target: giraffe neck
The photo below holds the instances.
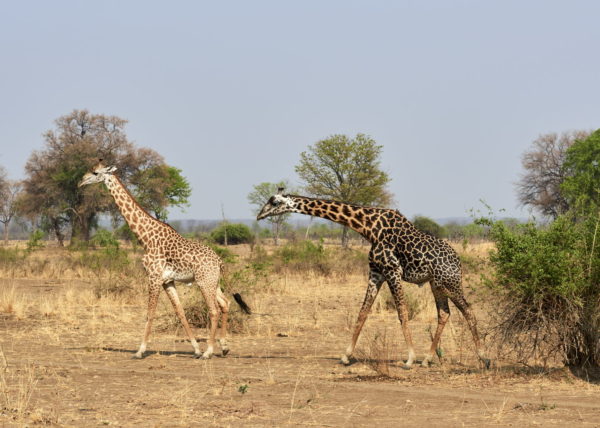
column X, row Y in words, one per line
column 360, row 219
column 139, row 221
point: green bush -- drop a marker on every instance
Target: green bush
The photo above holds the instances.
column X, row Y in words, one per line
column 225, row 254
column 35, row 240
column 104, row 238
column 427, row 225
column 547, row 283
column 304, row 256
column 236, row 234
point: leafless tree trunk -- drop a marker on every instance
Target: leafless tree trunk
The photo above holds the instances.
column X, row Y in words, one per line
column 539, row 186
column 345, row 237
column 9, row 191
column 276, row 226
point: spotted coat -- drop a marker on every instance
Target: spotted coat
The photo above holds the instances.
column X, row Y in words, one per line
column 399, row 252
column 169, row 257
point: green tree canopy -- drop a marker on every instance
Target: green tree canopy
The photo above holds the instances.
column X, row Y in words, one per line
column 345, row 169
column 581, row 187
column 79, row 140
column 159, row 187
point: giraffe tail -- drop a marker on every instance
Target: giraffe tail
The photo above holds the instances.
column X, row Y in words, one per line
column 238, row 298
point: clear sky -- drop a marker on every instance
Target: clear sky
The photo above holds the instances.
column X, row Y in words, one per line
column 232, row 91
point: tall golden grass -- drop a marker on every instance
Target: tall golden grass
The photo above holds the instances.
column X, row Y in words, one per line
column 104, row 287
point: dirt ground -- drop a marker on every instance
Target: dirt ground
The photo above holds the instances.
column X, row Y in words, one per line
column 71, row 365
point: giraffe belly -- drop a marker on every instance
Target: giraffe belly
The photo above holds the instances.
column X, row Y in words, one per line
column 171, row 274
column 416, row 276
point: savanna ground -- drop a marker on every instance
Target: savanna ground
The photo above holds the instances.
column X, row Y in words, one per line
column 68, row 333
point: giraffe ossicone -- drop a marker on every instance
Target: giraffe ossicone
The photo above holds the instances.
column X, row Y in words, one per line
column 399, row 252
column 169, row 257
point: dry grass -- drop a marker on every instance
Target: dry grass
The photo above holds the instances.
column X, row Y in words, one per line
column 73, row 345
column 17, row 385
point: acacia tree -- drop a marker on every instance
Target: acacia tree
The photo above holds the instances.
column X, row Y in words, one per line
column 345, row 169
column 259, row 197
column 540, row 184
column 79, row 140
column 9, row 191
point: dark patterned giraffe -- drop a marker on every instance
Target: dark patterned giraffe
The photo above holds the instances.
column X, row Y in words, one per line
column 399, row 252
column 169, row 257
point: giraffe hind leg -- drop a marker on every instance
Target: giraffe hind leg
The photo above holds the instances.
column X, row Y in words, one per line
column 463, row 306
column 174, row 298
column 209, row 291
column 224, row 306
column 443, row 310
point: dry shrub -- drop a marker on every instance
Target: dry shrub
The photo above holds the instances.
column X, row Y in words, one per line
column 12, row 302
column 419, row 301
column 238, row 278
column 113, row 271
column 376, row 353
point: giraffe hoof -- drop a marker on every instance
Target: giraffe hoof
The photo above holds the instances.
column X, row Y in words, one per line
column 203, row 356
column 406, row 366
column 346, row 361
column 225, row 352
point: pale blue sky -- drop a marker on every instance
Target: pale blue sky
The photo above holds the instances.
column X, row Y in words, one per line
column 231, row 92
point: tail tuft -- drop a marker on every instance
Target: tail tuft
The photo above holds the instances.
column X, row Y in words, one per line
column 240, row 301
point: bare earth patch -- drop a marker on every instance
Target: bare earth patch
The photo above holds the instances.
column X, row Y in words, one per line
column 66, row 361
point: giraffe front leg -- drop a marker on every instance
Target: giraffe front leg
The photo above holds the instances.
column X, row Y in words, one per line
column 375, row 281
column 152, row 300
column 174, row 298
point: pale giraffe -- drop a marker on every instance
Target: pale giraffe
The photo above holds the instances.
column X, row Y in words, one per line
column 169, row 257
column 399, row 252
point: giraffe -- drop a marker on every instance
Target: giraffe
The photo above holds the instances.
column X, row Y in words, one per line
column 169, row 257
column 399, row 252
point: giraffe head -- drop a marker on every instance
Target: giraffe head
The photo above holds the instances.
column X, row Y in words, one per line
column 97, row 174
column 276, row 205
